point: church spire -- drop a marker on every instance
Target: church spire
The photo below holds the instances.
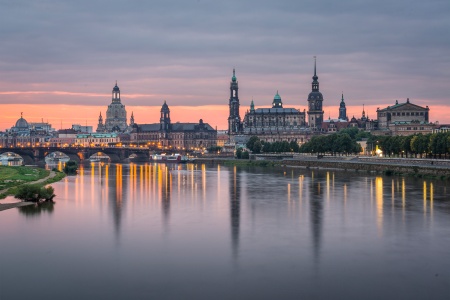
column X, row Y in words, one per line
column 315, row 82
column 132, row 119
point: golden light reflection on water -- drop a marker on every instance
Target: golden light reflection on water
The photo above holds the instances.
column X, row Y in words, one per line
column 424, row 197
column 379, row 202
column 328, row 187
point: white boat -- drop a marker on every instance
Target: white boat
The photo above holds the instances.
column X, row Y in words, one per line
column 173, row 158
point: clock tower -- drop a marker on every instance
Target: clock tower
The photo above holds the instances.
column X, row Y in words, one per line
column 315, row 100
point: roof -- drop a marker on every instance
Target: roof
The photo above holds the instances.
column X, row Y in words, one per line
column 189, row 126
column 276, row 111
column 402, row 105
column 149, row 127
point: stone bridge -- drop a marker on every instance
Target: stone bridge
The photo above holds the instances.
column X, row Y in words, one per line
column 32, row 155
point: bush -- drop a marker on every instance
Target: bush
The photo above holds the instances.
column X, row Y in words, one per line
column 71, row 167
column 34, row 193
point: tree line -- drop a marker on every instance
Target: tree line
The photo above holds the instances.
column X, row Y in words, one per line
column 436, row 145
column 432, row 145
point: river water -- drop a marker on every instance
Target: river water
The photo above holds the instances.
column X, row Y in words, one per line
column 156, row 231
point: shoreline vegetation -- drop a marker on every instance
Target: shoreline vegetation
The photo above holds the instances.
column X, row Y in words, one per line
column 13, row 178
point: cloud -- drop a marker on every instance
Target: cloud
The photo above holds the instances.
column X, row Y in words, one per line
column 184, row 51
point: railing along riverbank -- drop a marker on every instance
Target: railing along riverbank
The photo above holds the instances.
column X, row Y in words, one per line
column 435, row 167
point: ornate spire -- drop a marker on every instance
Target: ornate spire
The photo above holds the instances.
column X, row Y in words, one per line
column 234, row 75
column 315, row 83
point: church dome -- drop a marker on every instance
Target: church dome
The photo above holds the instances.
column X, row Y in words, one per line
column 22, row 123
column 116, row 88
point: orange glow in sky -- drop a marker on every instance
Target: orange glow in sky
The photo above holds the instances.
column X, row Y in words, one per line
column 64, row 115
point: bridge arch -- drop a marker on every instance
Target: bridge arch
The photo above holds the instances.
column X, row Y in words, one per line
column 56, row 157
column 100, row 157
column 11, row 159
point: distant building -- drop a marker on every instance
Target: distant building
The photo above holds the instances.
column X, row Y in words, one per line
column 97, row 139
column 404, row 119
column 275, row 123
column 168, row 135
column 401, row 112
column 116, row 115
column 82, row 129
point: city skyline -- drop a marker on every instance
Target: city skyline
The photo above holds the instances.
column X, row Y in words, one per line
column 59, row 59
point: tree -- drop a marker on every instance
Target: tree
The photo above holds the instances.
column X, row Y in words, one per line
column 251, row 142
column 239, row 153
column 34, row 193
column 71, row 167
column 257, row 147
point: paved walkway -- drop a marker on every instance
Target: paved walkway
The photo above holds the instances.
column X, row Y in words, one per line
column 19, row 203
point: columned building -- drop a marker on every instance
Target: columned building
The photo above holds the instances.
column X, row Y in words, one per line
column 315, row 100
column 401, row 112
column 234, row 119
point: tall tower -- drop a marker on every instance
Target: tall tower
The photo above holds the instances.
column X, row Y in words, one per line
column 234, row 120
column 164, row 121
column 315, row 99
column 100, row 126
column 116, row 114
column 342, row 109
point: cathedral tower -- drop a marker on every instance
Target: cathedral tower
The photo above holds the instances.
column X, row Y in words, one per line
column 315, row 100
column 164, row 121
column 234, row 120
column 342, row 109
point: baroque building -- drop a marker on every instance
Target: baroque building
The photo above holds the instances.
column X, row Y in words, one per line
column 276, row 123
column 168, row 135
column 116, row 115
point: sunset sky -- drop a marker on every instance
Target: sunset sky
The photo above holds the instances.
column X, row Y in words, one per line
column 59, row 60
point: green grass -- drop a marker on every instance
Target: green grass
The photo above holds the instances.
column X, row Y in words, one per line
column 12, row 177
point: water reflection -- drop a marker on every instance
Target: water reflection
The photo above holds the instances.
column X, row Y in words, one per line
column 296, row 231
column 235, row 210
column 316, row 213
column 37, row 209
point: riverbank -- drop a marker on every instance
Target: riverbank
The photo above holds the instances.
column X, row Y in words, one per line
column 400, row 166
column 13, row 184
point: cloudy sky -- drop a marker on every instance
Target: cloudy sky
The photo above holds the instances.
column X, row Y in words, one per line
column 59, row 60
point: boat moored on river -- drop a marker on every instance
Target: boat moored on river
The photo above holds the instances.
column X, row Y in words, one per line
column 173, row 158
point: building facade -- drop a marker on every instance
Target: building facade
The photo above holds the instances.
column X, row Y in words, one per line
column 401, row 112
column 177, row 136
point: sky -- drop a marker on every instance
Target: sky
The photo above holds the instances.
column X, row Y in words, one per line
column 59, row 60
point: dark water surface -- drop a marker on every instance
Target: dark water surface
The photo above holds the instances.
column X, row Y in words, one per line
column 218, row 232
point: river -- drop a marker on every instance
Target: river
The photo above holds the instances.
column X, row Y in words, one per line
column 195, row 231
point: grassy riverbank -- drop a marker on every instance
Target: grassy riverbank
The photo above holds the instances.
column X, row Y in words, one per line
column 13, row 177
